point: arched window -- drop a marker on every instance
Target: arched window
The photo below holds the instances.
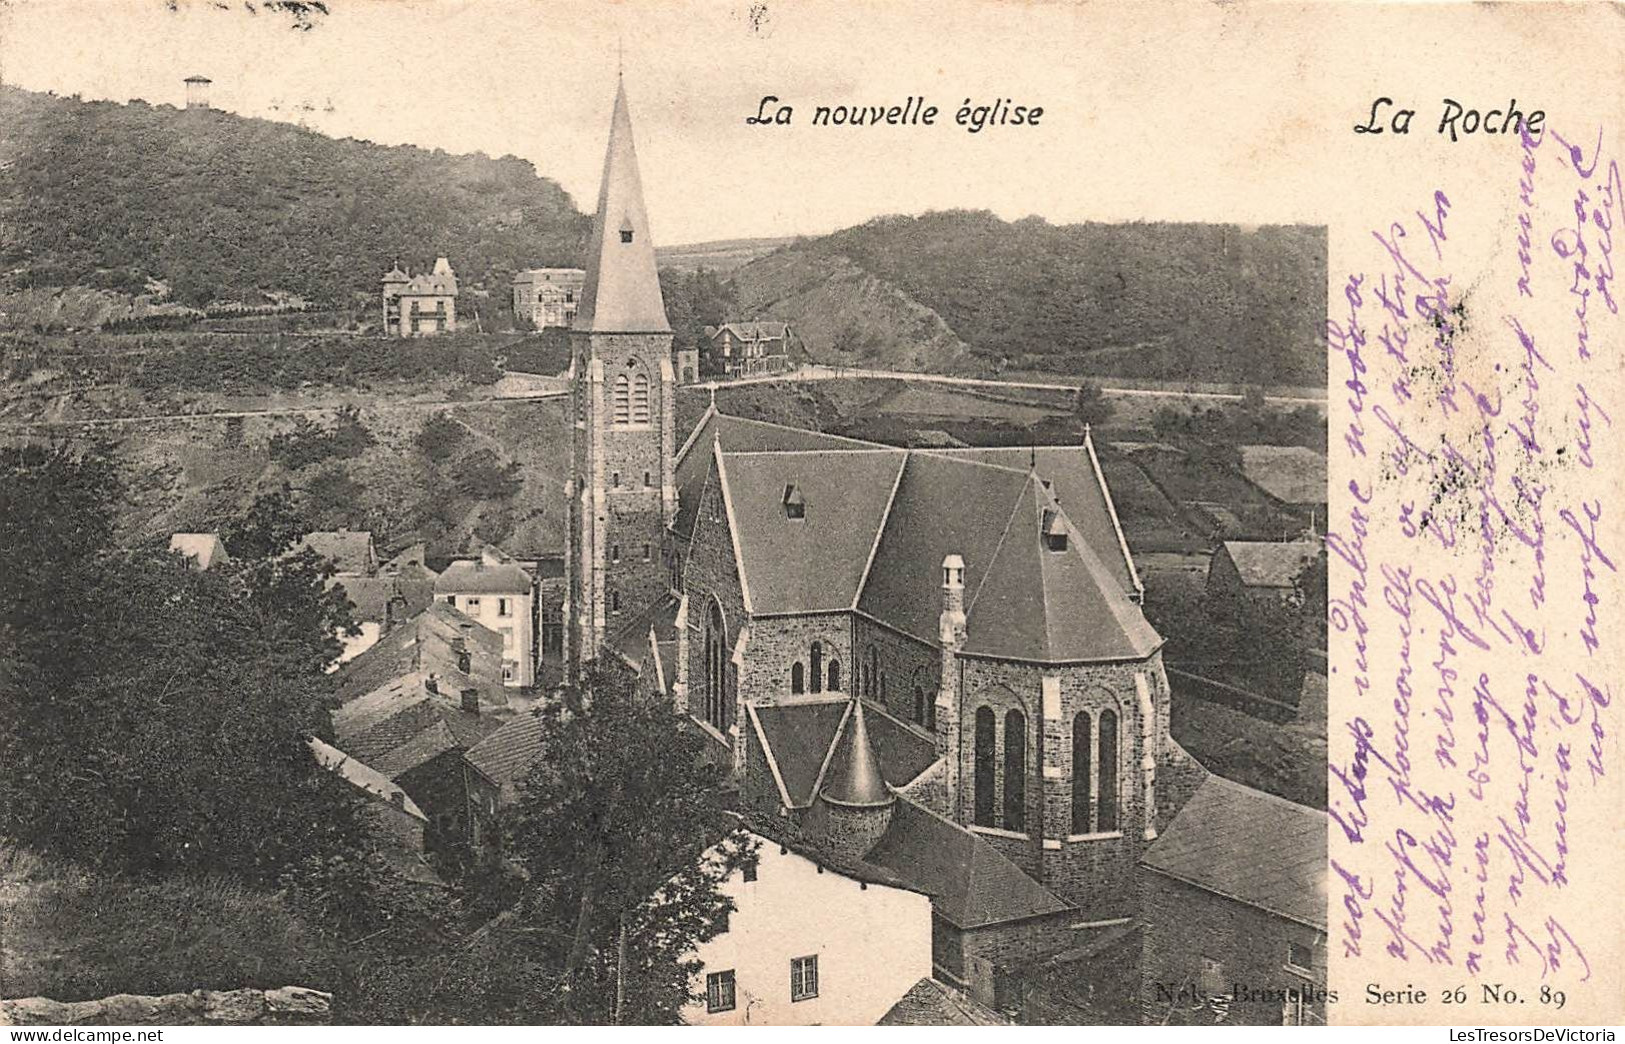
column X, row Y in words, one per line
column 798, row 680
column 1015, row 771
column 621, row 400
column 869, row 681
column 985, row 754
column 718, row 708
column 834, row 675
column 883, row 701
column 817, row 659
column 919, row 705
column 1108, row 771
column 1082, row 743
column 640, row 398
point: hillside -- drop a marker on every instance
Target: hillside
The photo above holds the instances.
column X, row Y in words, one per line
column 717, row 255
column 223, row 207
column 960, row 289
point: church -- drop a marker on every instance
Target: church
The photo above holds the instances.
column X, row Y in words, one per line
column 929, row 665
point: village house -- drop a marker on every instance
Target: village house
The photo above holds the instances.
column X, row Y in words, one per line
column 1234, row 906
column 201, row 549
column 1293, row 476
column 422, row 305
column 1258, row 568
column 547, row 297
column 414, row 704
column 394, row 819
column 492, row 589
column 749, row 349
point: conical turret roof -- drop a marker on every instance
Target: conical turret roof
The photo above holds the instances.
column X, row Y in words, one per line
column 622, row 290
column 854, row 776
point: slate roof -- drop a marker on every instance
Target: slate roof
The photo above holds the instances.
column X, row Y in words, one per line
column 370, row 595
column 1270, row 563
column 816, row 562
column 932, row 1003
column 801, row 736
column 762, row 330
column 365, row 777
column 969, row 882
column 632, row 640
column 404, row 725
column 426, row 645
column 351, row 550
column 1248, row 846
column 1290, row 474
column 478, row 576
column 507, row 754
column 854, row 777
column 622, row 289
column 880, row 551
column 204, row 549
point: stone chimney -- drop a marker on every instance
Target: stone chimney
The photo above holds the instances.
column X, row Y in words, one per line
column 471, row 700
column 951, row 634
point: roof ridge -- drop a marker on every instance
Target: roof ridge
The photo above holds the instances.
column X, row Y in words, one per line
column 810, row 431
column 1111, row 511
column 880, row 531
column 705, row 418
column 829, row 755
column 795, row 452
column 1214, row 777
column 987, row 569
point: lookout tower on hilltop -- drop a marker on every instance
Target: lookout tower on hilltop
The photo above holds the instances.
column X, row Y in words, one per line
column 197, row 92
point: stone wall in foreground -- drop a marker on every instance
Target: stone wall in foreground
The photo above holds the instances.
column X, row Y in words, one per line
column 288, row 1006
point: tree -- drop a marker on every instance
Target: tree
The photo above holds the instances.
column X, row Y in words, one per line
column 441, row 437
column 612, row 827
column 273, row 523
column 1090, row 405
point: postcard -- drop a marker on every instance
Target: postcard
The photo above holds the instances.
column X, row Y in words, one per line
column 720, row 513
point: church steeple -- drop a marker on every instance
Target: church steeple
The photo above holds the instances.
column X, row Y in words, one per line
column 622, row 291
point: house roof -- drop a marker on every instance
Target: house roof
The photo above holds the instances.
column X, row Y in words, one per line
column 1290, row 474
column 802, row 737
column 1270, row 563
column 404, row 724
column 427, row 645
column 932, row 1003
column 351, row 550
column 370, row 595
column 1248, row 846
column 621, row 293
column 761, row 330
column 205, row 549
column 364, row 777
column 969, row 882
column 879, row 521
column 507, row 754
column 479, row 576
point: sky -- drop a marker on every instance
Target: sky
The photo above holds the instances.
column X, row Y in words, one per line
column 1221, row 113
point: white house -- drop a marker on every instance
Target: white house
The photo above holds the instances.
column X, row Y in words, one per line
column 811, row 945
column 495, row 591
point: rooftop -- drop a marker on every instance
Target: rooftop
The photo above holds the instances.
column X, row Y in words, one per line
column 1290, row 474
column 1271, row 563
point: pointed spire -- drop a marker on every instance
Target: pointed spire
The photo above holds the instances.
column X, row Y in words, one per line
column 854, row 777
column 622, row 291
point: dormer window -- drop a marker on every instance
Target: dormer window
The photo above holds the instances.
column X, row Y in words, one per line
column 1054, row 530
column 795, row 505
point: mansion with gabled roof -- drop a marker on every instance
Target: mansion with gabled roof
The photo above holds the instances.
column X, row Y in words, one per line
column 930, row 666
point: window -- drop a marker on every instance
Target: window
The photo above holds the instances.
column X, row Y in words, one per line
column 835, row 676
column 614, row 552
column 1108, row 771
column 504, row 607
column 1300, row 958
column 718, row 708
column 750, row 871
column 919, row 705
column 795, row 505
column 648, row 480
column 615, row 479
column 640, row 398
column 803, row 978
column 471, row 605
column 817, row 667
column 869, row 676
column 507, row 672
column 798, row 678
column 647, row 552
column 719, row 991
column 615, row 601
column 1015, row 771
column 621, row 400
column 1082, row 744
column 451, row 600
column 984, row 766
column 626, row 235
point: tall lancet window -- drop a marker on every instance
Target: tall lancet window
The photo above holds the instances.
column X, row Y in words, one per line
column 640, row 398
column 985, row 766
column 1015, row 771
column 1108, row 771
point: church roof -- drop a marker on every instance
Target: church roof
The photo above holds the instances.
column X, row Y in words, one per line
column 803, row 739
column 1214, row 843
column 854, row 777
column 622, row 289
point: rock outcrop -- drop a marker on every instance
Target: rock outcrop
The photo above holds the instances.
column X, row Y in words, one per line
column 288, row 1006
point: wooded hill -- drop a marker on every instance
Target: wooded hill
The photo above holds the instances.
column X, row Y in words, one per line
column 224, row 207
column 1156, row 300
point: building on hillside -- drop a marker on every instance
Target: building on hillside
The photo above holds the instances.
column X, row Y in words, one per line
column 492, row 589
column 420, row 305
column 1234, row 906
column 548, row 297
column 197, row 92
column 812, row 941
column 351, row 551
column 750, row 349
column 414, row 704
column 395, row 820
column 1294, row 476
column 201, row 549
column 1259, row 569
column 688, row 365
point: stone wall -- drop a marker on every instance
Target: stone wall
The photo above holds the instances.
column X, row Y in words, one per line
column 904, row 662
column 288, row 1006
column 710, row 574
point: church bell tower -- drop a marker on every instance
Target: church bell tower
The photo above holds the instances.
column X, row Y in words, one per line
column 621, row 490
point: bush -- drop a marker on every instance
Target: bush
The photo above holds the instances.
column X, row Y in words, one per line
column 441, row 437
